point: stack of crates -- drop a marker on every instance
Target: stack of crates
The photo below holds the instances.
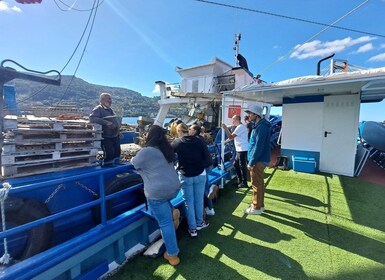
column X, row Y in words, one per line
column 34, row 145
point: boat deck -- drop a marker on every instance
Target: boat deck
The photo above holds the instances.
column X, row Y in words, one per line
column 315, row 226
column 373, row 173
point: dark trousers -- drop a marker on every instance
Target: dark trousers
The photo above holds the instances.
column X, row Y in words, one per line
column 240, row 165
column 111, row 148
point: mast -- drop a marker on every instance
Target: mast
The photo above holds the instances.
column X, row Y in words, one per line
column 236, row 48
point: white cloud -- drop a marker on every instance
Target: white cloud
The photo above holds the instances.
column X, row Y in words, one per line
column 317, row 48
column 365, row 48
column 382, row 46
column 156, row 90
column 16, row 9
column 379, row 57
column 5, row 8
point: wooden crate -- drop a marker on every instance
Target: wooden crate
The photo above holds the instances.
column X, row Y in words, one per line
column 34, row 145
column 28, row 146
column 46, row 156
column 45, row 167
column 44, row 123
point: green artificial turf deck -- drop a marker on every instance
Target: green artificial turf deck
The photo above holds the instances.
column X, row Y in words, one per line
column 316, row 226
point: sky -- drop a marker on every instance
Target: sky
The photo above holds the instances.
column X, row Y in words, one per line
column 133, row 43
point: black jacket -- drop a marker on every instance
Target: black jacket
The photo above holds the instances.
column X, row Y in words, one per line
column 193, row 155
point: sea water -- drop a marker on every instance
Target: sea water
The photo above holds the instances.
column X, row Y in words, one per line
column 130, row 120
column 134, row 120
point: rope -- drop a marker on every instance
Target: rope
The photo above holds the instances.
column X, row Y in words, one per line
column 3, row 196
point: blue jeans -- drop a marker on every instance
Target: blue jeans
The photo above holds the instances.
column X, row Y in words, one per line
column 193, row 189
column 161, row 209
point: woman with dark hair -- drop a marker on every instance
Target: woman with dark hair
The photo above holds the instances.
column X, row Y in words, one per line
column 154, row 162
column 210, row 190
column 192, row 157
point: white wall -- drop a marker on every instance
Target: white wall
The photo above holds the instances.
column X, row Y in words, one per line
column 204, row 84
column 302, row 126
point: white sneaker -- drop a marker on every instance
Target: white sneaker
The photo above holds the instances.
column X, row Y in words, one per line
column 262, row 208
column 252, row 211
column 192, row 232
column 209, row 211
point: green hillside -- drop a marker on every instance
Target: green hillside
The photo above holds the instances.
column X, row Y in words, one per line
column 84, row 95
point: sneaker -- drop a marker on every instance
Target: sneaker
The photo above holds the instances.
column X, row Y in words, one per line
column 242, row 185
column 252, row 211
column 262, row 208
column 173, row 260
column 209, row 211
column 202, row 225
column 213, row 192
column 193, row 232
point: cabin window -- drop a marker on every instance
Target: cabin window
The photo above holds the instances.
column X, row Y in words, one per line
column 195, row 84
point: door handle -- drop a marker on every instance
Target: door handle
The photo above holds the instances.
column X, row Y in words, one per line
column 326, row 133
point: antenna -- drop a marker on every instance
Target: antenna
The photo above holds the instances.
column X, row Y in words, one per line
column 236, row 48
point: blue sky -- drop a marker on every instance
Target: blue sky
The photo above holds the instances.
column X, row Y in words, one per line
column 137, row 42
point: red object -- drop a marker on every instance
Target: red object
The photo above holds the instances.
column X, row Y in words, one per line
column 234, row 110
column 28, row 1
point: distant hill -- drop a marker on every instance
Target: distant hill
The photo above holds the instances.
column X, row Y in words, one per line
column 85, row 95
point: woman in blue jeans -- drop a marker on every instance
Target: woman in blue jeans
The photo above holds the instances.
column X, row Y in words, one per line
column 161, row 184
column 192, row 157
column 210, row 190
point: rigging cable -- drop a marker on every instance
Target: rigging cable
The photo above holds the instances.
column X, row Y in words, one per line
column 71, row 7
column 94, row 11
column 72, row 55
column 311, row 38
column 290, row 17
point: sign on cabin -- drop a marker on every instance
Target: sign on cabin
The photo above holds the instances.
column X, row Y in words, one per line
column 234, row 110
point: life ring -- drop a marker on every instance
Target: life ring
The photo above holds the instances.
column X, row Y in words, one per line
column 119, row 205
column 19, row 211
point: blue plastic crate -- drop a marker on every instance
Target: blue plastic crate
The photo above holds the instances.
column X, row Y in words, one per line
column 304, row 164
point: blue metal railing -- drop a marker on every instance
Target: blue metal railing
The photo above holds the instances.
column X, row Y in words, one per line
column 53, row 217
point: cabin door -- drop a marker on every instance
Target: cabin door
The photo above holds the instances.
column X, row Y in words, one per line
column 339, row 135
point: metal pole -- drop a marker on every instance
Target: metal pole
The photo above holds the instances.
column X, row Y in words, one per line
column 236, row 48
column 1, row 120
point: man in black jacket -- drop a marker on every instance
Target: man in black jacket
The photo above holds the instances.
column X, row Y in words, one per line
column 105, row 116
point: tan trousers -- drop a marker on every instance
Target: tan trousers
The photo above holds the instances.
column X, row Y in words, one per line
column 258, row 185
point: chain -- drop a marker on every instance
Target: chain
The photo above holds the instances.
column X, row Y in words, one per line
column 54, row 192
column 63, row 186
column 86, row 188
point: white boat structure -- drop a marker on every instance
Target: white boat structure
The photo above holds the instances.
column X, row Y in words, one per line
column 320, row 114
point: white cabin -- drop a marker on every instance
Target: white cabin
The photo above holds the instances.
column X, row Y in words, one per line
column 199, row 87
column 320, row 114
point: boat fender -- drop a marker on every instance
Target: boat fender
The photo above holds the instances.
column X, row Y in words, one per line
column 131, row 200
column 19, row 211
